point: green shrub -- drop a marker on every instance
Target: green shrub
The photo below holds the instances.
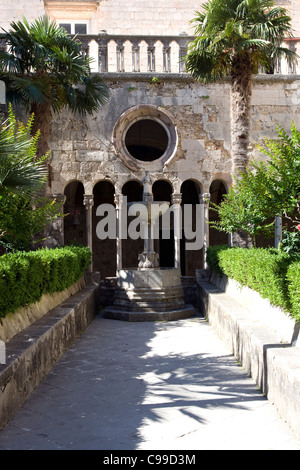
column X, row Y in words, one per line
column 212, row 257
column 293, row 279
column 26, row 276
column 262, row 270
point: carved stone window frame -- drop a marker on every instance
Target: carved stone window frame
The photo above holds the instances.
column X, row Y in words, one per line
column 135, row 114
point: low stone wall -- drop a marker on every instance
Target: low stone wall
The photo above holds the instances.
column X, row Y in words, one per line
column 33, row 352
column 271, row 316
column 267, row 353
column 16, row 322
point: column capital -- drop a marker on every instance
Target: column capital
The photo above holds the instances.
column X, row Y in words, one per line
column 118, row 199
column 176, row 198
column 88, row 201
column 204, row 198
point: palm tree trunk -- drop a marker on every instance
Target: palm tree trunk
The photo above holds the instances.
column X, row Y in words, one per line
column 241, row 89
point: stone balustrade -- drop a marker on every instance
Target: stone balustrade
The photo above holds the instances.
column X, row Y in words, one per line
column 136, row 54
column 153, row 54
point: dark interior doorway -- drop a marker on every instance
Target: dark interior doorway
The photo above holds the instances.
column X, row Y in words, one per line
column 190, row 259
column 162, row 191
column 75, row 214
column 104, row 251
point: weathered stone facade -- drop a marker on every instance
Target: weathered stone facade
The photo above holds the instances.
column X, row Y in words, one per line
column 90, row 158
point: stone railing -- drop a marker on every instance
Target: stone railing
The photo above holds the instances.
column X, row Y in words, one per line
column 153, row 54
column 136, row 54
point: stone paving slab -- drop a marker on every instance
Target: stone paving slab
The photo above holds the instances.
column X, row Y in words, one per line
column 144, row 386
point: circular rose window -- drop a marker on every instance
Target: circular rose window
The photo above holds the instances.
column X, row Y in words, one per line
column 145, row 134
column 146, row 140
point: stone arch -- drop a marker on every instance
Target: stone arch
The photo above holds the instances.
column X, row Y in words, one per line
column 133, row 190
column 162, row 191
column 190, row 260
column 104, row 251
column 74, row 221
column 218, row 188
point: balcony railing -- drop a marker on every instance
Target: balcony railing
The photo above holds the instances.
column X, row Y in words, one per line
column 153, row 54
column 136, row 54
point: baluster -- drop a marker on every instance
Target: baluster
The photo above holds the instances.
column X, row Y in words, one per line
column 85, row 48
column 102, row 53
column 182, row 51
column 292, row 67
column 120, row 58
column 135, row 58
column 277, row 66
column 167, row 59
column 151, row 58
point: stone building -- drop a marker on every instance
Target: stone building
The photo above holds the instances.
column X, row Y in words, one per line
column 157, row 119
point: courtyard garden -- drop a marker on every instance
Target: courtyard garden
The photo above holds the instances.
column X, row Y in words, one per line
column 27, row 270
column 54, row 74
column 269, row 187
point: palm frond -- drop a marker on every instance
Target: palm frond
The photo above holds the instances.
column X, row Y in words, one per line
column 42, row 62
column 226, row 28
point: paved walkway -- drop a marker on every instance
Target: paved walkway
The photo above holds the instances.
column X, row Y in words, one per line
column 147, row 386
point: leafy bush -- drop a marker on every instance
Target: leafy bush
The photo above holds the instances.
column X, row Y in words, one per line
column 263, row 270
column 26, row 276
column 24, row 212
column 293, row 278
column 212, row 257
column 291, row 242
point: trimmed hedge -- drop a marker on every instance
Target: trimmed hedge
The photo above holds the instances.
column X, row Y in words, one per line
column 293, row 279
column 26, row 276
column 266, row 271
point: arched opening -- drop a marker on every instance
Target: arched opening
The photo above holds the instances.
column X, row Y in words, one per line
column 217, row 192
column 146, row 140
column 104, row 251
column 190, row 260
column 162, row 191
column 133, row 190
column 75, row 214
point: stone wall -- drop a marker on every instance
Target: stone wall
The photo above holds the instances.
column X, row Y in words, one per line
column 89, row 150
column 83, row 149
column 120, row 17
column 159, row 16
column 16, row 10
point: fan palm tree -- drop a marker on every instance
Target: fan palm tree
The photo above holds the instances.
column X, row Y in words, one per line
column 234, row 38
column 44, row 69
column 21, row 173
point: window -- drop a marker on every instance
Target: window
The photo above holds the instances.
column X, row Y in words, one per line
column 73, row 27
column 146, row 140
column 145, row 136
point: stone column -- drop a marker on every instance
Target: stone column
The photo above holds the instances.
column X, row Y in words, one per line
column 88, row 201
column 176, row 203
column 102, row 41
column 118, row 200
column 204, row 199
column 57, row 231
column 151, row 57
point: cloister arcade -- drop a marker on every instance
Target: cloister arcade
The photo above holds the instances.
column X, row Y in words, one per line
column 80, row 221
